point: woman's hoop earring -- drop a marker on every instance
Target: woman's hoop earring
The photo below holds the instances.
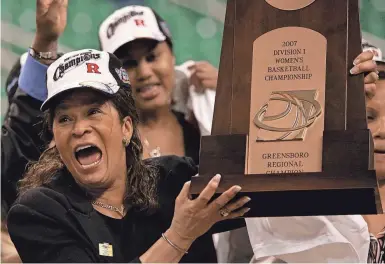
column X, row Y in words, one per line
column 126, row 142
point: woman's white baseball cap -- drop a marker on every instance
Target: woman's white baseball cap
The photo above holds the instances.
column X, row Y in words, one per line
column 130, row 23
column 85, row 68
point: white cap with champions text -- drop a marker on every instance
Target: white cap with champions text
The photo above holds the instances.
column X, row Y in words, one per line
column 130, row 23
column 86, row 68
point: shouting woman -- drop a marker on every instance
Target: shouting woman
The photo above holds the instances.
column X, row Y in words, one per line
column 91, row 197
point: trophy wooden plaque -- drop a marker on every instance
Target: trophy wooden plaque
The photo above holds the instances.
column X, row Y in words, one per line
column 289, row 121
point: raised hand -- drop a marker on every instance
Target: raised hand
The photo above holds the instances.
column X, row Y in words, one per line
column 364, row 64
column 51, row 20
column 204, row 76
column 193, row 218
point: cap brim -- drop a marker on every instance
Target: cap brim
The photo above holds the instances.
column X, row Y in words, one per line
column 124, row 41
column 151, row 39
column 106, row 90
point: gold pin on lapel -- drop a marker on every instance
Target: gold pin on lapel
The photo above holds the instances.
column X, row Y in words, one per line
column 105, row 249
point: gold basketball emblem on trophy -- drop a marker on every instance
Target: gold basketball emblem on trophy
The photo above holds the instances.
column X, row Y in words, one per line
column 289, row 5
column 287, row 115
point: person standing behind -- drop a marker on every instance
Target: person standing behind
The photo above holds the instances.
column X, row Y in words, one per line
column 165, row 126
column 375, row 111
column 8, row 251
column 141, row 39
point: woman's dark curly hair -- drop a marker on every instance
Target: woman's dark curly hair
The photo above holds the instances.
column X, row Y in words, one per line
column 142, row 178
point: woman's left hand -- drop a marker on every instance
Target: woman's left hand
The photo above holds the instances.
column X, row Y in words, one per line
column 204, row 76
column 364, row 63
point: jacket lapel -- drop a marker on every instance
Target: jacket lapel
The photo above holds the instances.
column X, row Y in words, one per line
column 99, row 235
column 87, row 220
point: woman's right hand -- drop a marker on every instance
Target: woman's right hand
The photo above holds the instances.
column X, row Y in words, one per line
column 193, row 218
column 51, row 20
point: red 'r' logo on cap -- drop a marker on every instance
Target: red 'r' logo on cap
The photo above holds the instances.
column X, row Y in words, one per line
column 139, row 22
column 93, row 68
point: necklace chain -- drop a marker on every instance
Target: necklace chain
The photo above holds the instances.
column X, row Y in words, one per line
column 110, row 207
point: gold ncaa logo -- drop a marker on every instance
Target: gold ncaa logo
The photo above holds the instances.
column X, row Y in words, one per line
column 289, row 5
column 300, row 111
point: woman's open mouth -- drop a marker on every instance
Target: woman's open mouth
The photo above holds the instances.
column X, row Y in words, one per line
column 88, row 156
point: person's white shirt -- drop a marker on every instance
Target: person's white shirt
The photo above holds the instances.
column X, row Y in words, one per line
column 187, row 100
column 321, row 239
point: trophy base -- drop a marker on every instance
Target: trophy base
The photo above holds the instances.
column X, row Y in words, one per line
column 346, row 184
column 302, row 194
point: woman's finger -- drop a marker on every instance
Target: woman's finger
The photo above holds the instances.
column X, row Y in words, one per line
column 57, row 8
column 366, row 66
column 370, row 90
column 239, row 213
column 184, row 193
column 205, row 75
column 225, row 197
column 237, row 204
column 232, row 207
column 202, row 64
column 364, row 56
column 235, row 214
column 208, row 192
column 371, row 78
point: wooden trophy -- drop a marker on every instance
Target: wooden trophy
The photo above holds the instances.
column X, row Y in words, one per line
column 290, row 121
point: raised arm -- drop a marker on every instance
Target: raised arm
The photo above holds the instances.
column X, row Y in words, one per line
column 20, row 141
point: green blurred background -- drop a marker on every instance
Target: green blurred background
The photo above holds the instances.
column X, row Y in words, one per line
column 196, row 26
